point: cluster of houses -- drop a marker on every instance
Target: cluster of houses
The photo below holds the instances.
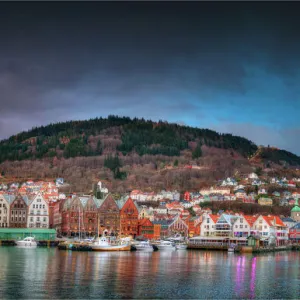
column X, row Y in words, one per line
column 40, row 205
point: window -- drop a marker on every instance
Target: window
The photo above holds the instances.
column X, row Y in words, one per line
column 236, row 226
column 43, row 206
column 246, row 226
column 33, row 205
column 241, row 226
column 265, row 227
column 45, row 219
column 207, row 220
column 241, row 220
column 31, row 219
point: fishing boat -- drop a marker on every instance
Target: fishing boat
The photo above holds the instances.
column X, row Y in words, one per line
column 165, row 246
column 105, row 244
column 144, row 246
column 28, row 242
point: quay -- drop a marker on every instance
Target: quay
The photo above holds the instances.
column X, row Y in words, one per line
column 44, row 237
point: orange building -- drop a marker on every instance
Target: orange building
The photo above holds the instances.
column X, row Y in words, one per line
column 156, row 229
column 129, row 217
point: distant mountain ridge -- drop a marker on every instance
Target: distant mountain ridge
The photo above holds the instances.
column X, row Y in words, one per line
column 124, row 135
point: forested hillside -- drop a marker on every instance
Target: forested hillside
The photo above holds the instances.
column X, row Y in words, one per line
column 74, row 138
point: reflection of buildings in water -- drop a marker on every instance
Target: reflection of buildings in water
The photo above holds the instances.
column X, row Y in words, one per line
column 253, row 278
column 239, row 275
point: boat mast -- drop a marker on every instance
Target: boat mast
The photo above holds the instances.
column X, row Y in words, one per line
column 79, row 222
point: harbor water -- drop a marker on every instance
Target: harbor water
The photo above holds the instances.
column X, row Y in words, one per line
column 45, row 273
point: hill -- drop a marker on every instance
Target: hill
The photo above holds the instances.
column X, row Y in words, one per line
column 139, row 152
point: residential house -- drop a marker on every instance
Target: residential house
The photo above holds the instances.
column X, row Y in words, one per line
column 18, row 212
column 262, row 191
column 252, row 176
column 265, row 201
column 146, row 213
column 161, row 210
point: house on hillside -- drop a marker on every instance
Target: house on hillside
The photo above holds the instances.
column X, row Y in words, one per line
column 265, row 201
column 172, row 227
column 252, row 176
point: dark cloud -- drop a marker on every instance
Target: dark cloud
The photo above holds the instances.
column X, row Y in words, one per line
column 197, row 62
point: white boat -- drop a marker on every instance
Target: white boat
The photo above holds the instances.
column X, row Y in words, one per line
column 28, row 242
column 144, row 246
column 165, row 246
column 105, row 244
column 181, row 246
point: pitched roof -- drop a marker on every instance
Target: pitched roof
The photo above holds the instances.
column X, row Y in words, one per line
column 270, row 220
column 214, row 218
column 250, row 219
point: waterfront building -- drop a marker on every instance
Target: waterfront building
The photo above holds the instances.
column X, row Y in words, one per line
column 208, row 225
column 146, row 228
column 129, row 216
column 272, row 229
column 5, row 202
column 18, row 212
column 224, row 225
column 294, row 233
column 172, row 227
column 242, row 226
column 38, row 212
column 109, row 215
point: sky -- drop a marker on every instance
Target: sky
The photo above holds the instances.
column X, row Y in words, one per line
column 233, row 67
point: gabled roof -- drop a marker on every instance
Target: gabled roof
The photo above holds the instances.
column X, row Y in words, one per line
column 9, row 198
column 250, row 219
column 270, row 220
column 214, row 218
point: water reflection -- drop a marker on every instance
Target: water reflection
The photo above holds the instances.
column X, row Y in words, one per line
column 54, row 274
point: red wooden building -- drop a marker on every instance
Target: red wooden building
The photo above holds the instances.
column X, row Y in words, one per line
column 129, row 215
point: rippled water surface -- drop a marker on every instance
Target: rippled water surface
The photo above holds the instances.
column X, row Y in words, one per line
column 49, row 273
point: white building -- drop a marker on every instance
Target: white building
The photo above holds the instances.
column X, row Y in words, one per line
column 208, row 226
column 5, row 201
column 272, row 229
column 38, row 213
column 243, row 225
column 252, row 176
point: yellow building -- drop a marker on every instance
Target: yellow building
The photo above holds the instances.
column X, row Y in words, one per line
column 265, row 201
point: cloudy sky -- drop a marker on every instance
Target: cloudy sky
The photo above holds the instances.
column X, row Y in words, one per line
column 233, row 67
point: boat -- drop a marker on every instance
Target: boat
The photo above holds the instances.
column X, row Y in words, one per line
column 231, row 248
column 28, row 242
column 144, row 246
column 181, row 246
column 165, row 246
column 105, row 244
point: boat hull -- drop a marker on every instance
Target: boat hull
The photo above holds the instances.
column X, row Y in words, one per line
column 181, row 247
column 111, row 248
column 144, row 249
column 165, row 248
column 26, row 244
